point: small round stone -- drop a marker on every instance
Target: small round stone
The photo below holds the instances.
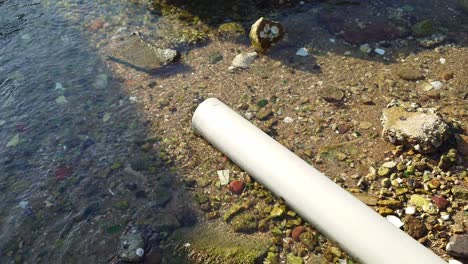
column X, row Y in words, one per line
column 296, row 232
column 140, row 252
column 236, row 186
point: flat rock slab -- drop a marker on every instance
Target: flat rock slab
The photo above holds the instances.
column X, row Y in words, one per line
column 138, row 54
column 215, row 242
column 423, row 129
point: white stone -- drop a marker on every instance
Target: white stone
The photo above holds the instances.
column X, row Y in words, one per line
column 61, row 100
column 444, row 216
column 132, row 98
column 59, row 86
column 395, row 220
column 24, row 204
column 437, row 85
column 389, row 164
column 223, row 176
column 410, row 210
column 244, row 60
column 332, row 40
column 379, row 51
column 2, row 122
column 288, row 120
column 303, row 52
column 249, row 115
column 454, row 261
column 347, row 53
column 140, row 252
column 442, row 60
column 274, row 30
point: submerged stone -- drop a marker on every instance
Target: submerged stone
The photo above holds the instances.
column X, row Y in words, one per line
column 215, row 242
column 129, row 244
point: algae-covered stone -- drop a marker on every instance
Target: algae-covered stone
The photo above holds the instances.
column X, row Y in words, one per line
column 332, row 94
column 422, row 29
column 265, row 33
column 215, row 242
column 271, row 258
column 231, row 29
column 234, row 210
column 423, row 203
column 383, row 171
column 129, row 244
column 390, row 203
column 409, row 73
column 423, row 129
column 309, row 239
column 278, row 211
column 244, row 223
column 448, row 160
column 264, row 113
column 460, row 193
column 292, row 259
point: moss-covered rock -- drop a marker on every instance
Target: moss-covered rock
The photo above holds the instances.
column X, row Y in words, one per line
column 215, row 242
column 422, row 29
column 244, row 223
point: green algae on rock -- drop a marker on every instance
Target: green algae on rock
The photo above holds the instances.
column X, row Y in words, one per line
column 422, row 29
column 215, row 242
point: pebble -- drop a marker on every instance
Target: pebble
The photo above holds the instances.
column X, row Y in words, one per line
column 140, row 252
column 395, row 220
column 61, row 100
column 303, row 52
column 365, row 48
column 23, row 204
column 13, row 141
column 414, row 227
column 442, row 60
column 249, row 115
column 440, row 202
column 389, row 164
column 236, row 187
column 288, row 120
column 296, row 232
column 243, row 60
column 379, row 51
column 365, row 125
column 437, row 85
column 410, row 210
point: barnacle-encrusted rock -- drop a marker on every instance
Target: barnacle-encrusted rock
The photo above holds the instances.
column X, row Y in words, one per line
column 264, row 33
column 423, row 129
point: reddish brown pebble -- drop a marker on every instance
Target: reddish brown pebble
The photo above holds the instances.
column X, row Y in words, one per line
column 236, row 187
column 297, row 231
column 440, row 202
column 62, row 172
column 96, row 25
column 448, row 75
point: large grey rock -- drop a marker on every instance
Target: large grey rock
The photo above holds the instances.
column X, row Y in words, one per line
column 458, row 246
column 244, row 60
column 423, row 129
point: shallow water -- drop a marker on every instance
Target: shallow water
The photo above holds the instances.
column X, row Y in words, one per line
column 79, row 158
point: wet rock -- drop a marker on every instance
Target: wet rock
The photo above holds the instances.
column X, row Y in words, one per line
column 423, row 129
column 371, row 28
column 422, row 29
column 458, row 246
column 236, row 187
column 165, row 222
column 217, row 243
column 215, row 57
column 414, row 227
column 234, row 210
column 278, row 211
column 409, row 73
column 332, row 94
column 264, row 33
column 137, row 54
column 432, row 40
column 130, row 246
column 366, row 198
column 96, row 25
column 231, row 30
column 423, row 203
column 243, row 60
column 244, row 223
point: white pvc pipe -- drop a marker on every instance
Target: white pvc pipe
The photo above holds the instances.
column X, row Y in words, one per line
column 358, row 230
